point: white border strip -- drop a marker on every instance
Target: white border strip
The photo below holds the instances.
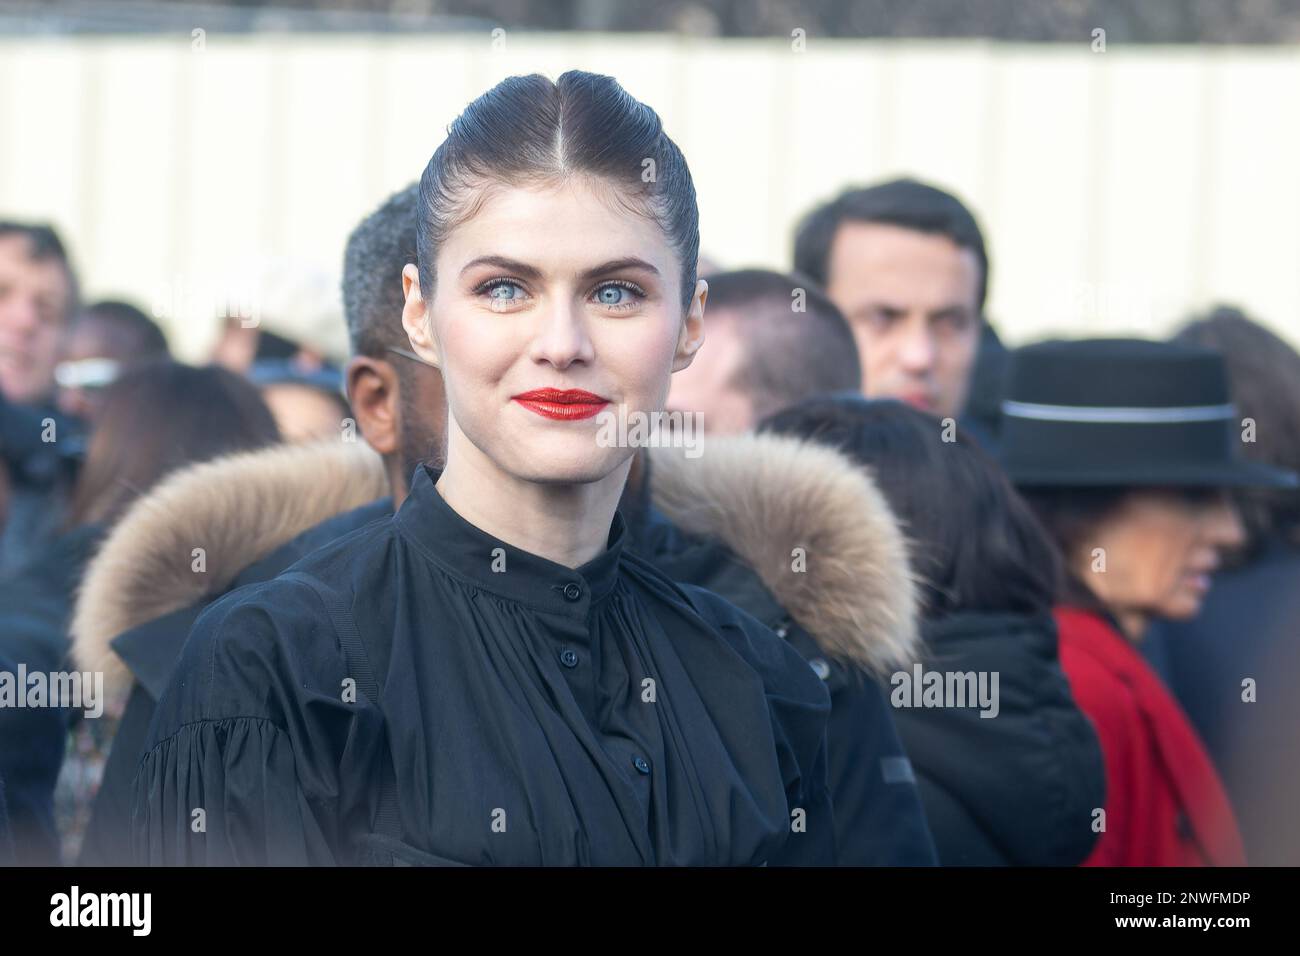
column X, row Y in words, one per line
column 1136, row 416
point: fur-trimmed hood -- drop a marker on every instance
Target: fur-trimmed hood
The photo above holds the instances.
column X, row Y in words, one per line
column 764, row 496
column 760, row 495
column 236, row 509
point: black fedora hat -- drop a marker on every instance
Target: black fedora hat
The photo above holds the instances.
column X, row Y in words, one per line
column 1124, row 412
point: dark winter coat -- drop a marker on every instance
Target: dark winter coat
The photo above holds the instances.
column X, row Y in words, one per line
column 35, row 609
column 1015, row 789
column 849, row 611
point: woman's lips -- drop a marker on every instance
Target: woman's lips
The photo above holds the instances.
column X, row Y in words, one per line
column 566, row 405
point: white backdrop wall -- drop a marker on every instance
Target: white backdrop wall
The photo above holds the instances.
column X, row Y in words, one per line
column 1118, row 190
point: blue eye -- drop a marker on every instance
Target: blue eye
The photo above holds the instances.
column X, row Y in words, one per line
column 505, row 291
column 618, row 295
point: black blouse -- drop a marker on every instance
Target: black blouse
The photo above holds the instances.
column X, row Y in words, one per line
column 535, row 713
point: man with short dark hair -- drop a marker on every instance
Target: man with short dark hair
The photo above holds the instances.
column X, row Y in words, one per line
column 398, row 398
column 38, row 449
column 906, row 264
column 38, row 294
column 774, row 340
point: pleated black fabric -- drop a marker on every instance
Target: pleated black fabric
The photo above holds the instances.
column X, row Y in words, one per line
column 535, row 714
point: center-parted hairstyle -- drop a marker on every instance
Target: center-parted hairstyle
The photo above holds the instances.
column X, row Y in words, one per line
column 528, row 130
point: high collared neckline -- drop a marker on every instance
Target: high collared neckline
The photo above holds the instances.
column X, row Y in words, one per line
column 467, row 552
column 636, row 505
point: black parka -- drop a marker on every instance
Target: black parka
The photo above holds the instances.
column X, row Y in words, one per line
column 1016, row 789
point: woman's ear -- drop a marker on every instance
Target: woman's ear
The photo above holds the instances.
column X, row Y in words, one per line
column 692, row 334
column 415, row 317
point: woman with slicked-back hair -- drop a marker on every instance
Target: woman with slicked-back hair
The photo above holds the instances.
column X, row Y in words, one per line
column 489, row 676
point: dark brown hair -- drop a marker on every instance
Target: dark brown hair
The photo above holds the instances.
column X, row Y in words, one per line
column 905, row 203
column 528, row 130
column 1071, row 515
column 44, row 245
column 1264, row 380
column 157, row 418
column 976, row 546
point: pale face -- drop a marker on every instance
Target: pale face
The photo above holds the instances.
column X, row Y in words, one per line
column 912, row 302
column 1161, row 551
column 709, row 386
column 303, row 413
column 34, row 300
column 552, row 288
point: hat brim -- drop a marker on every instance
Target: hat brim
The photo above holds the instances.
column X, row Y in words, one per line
column 1239, row 474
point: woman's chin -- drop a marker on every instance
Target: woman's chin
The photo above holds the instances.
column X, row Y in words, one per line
column 566, row 462
column 1182, row 606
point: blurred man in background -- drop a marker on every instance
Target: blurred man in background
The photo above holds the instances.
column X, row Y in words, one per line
column 905, row 262
column 774, row 340
column 104, row 341
column 38, row 295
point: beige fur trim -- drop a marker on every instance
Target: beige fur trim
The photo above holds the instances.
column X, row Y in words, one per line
column 765, row 495
column 238, row 509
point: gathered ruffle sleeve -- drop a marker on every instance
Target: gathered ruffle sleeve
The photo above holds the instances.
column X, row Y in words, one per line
column 224, row 793
column 253, row 738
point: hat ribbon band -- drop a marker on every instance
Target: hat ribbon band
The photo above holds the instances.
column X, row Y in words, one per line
column 1136, row 416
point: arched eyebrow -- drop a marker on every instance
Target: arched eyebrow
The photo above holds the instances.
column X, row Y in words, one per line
column 525, row 271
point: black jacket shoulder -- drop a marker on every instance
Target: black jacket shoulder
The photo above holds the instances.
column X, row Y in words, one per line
column 1016, row 787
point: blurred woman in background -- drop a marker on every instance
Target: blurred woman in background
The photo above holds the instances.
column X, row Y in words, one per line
column 153, row 420
column 1125, row 450
column 1247, row 629
column 1011, row 779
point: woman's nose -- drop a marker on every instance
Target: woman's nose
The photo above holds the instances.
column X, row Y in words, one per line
column 562, row 336
column 1223, row 525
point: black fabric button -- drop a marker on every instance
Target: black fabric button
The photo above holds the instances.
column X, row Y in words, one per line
column 641, row 764
column 572, row 592
column 569, row 657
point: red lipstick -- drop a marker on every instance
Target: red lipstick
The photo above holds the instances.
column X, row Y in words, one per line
column 565, row 404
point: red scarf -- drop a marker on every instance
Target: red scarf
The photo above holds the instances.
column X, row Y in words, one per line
column 1165, row 804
